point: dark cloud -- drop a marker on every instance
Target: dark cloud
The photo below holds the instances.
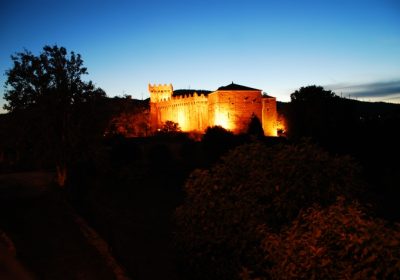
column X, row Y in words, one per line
column 376, row 89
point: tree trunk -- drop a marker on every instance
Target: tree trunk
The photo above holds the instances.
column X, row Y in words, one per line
column 61, row 174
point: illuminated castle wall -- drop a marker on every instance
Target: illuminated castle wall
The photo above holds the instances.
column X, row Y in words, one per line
column 230, row 107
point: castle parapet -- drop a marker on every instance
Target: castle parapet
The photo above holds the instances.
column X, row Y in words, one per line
column 194, row 97
column 160, row 88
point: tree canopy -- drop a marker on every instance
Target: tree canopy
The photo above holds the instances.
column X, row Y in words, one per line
column 170, row 127
column 47, row 95
column 255, row 127
column 317, row 113
column 53, row 74
column 310, row 93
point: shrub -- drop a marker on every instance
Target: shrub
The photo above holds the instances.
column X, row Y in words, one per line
column 255, row 127
column 254, row 185
column 170, row 127
column 217, row 141
column 337, row 242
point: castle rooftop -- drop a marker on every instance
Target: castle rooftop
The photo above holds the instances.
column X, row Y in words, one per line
column 233, row 87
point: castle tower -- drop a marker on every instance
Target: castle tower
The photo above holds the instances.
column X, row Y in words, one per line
column 158, row 93
column 269, row 115
column 233, row 105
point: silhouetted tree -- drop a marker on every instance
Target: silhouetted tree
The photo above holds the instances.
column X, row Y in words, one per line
column 311, row 93
column 312, row 113
column 170, row 127
column 255, row 127
column 217, row 141
column 49, row 91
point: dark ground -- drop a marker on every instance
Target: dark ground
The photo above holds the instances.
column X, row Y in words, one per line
column 48, row 241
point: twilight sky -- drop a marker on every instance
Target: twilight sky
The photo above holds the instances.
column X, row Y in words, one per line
column 351, row 47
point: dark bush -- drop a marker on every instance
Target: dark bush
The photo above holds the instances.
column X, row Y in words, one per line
column 254, row 185
column 255, row 127
column 217, row 141
column 337, row 242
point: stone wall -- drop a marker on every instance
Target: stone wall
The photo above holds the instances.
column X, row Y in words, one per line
column 190, row 112
column 233, row 109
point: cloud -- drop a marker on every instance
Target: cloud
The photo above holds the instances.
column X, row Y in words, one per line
column 373, row 90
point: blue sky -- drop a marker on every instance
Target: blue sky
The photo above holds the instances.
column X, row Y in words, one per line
column 352, row 47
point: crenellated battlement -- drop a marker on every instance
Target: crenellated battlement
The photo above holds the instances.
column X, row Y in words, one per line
column 185, row 98
column 160, row 88
column 160, row 92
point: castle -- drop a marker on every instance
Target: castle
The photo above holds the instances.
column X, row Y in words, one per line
column 230, row 106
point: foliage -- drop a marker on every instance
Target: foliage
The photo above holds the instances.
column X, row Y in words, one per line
column 170, row 127
column 56, row 109
column 129, row 119
column 129, row 125
column 255, row 127
column 317, row 113
column 254, row 185
column 217, row 141
column 217, row 132
column 311, row 93
column 337, row 242
column 53, row 76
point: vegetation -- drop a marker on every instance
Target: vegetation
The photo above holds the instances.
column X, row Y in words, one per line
column 54, row 76
column 313, row 113
column 217, row 141
column 254, row 185
column 170, row 127
column 129, row 118
column 311, row 93
column 255, row 127
column 337, row 242
column 48, row 98
column 364, row 130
